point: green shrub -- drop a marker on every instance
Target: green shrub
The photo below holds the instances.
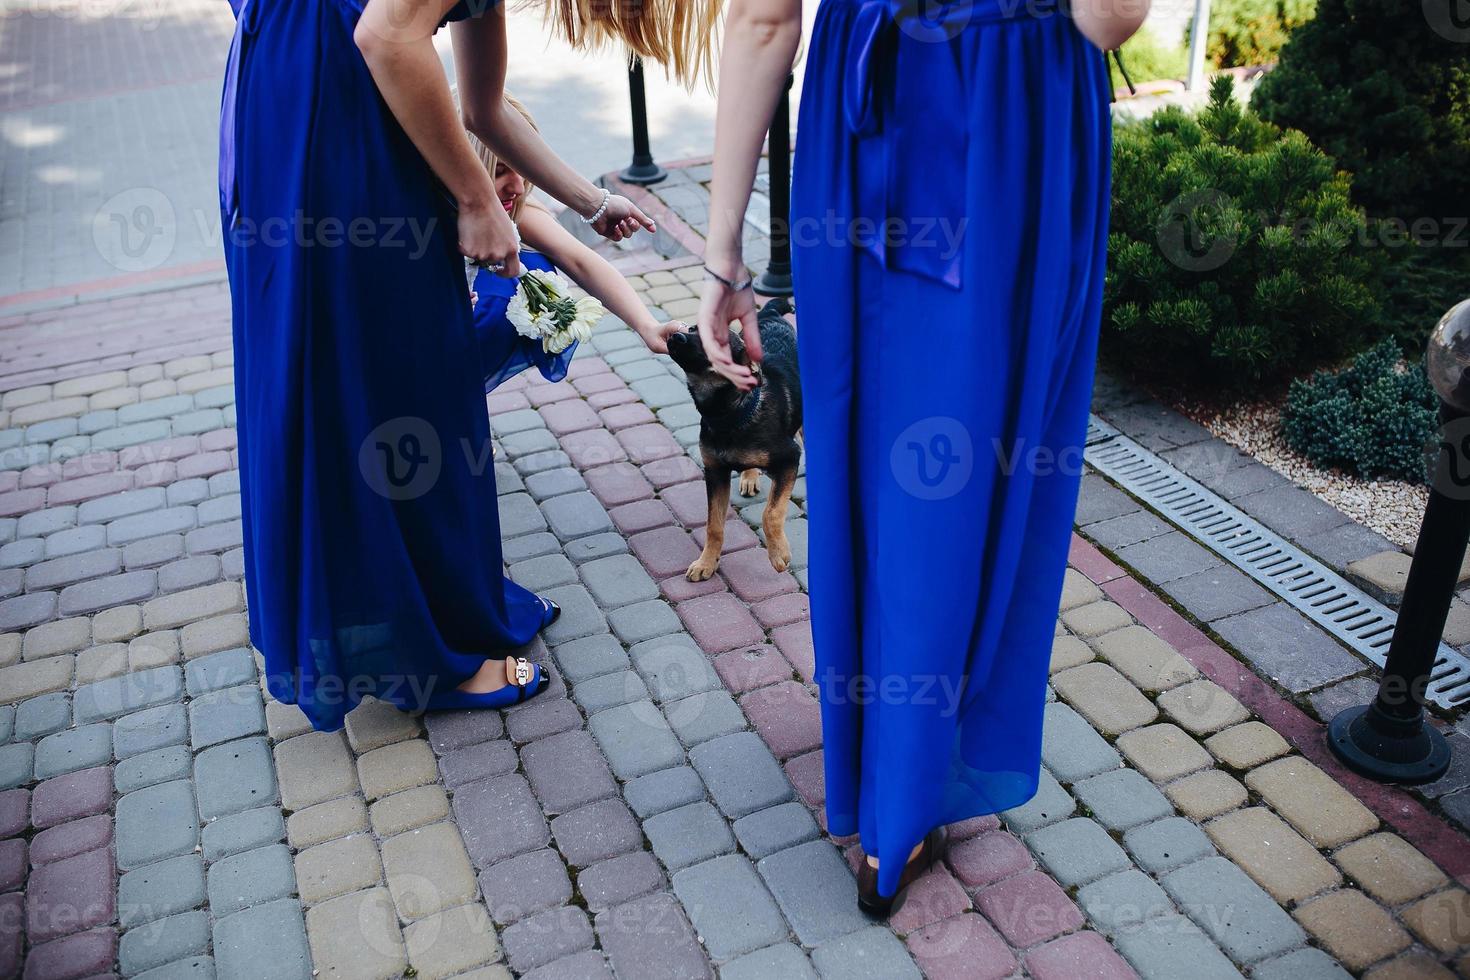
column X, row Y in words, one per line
column 1373, row 418
column 1235, row 253
column 1252, row 32
column 1384, row 88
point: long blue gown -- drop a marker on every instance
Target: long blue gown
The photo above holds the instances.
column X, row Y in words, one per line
column 372, row 538
column 947, row 369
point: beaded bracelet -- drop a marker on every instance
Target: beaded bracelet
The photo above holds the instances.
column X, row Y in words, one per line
column 601, row 208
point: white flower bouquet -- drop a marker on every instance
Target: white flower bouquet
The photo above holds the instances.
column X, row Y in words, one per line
column 543, row 309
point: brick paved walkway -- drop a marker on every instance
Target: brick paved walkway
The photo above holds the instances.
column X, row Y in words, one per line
column 657, row 813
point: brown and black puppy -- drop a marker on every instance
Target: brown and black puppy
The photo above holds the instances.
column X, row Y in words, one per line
column 749, row 432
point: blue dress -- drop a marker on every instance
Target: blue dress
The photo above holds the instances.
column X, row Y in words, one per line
column 504, row 352
column 372, row 537
column 949, row 225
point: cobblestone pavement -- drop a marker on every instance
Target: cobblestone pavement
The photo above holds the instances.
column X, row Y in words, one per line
column 657, row 812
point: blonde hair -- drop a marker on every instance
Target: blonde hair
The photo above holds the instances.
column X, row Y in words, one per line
column 681, row 35
column 491, row 161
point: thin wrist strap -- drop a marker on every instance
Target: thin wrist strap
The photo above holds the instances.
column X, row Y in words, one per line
column 734, row 285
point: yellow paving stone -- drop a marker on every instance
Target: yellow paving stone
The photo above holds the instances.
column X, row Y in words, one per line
column 1277, row 857
column 20, row 397
column 1246, row 745
column 689, row 273
column 169, row 611
column 1389, row 868
column 101, row 662
column 57, row 408
column 1096, row 618
column 412, row 808
column 1078, row 590
column 1353, row 928
column 326, row 821
column 658, row 295
column 1104, row 697
column 395, row 768
column 30, row 678
column 1203, row 706
column 337, row 867
column 314, row 768
column 180, row 366
column 1163, row 752
column 499, row 971
column 1144, row 658
column 112, row 398
column 681, row 308
column 1206, row 794
column 10, row 644
column 159, row 388
column 661, row 277
column 199, row 380
column 285, row 721
column 89, row 385
column 451, row 942
column 1413, row 965
column 58, row 637
column 217, row 633
column 374, row 724
column 428, row 870
column 153, row 650
column 1442, row 920
column 117, row 624
column 356, row 937
column 1312, row 801
column 1068, row 651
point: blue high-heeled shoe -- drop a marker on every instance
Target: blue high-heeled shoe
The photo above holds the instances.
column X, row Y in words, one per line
column 530, row 681
column 553, row 611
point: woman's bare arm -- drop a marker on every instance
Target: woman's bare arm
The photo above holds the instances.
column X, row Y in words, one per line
column 1108, row 23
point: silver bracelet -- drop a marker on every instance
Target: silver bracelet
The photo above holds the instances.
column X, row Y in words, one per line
column 601, row 208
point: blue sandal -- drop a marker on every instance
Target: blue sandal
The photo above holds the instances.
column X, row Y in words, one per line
column 552, row 611
column 530, row 681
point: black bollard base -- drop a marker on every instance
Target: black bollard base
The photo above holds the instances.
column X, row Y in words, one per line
column 643, row 174
column 775, row 282
column 1387, row 749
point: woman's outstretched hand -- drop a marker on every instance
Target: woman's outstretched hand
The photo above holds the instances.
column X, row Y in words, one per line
column 657, row 337
column 621, row 219
column 487, row 235
column 720, row 306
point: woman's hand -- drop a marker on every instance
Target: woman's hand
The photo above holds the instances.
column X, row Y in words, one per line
column 621, row 219
column 487, row 236
column 656, row 335
column 719, row 306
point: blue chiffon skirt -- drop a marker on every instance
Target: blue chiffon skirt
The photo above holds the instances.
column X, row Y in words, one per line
column 503, row 352
column 372, row 536
column 950, row 208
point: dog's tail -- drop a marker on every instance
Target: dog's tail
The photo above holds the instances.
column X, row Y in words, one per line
column 781, row 306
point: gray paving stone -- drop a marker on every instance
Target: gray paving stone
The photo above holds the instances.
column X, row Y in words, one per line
column 168, row 887
column 1303, row 964
column 217, row 510
column 507, row 480
column 227, row 668
column 689, row 835
column 1128, row 529
column 155, row 408
column 203, row 420
column 152, row 768
column 122, row 695
column 12, row 582
column 1342, row 545
column 449, row 730
column 520, row 420
column 1288, row 647
column 662, row 392
column 636, row 739
column 75, row 540
column 171, row 520
column 530, row 546
column 1050, row 804
column 644, row 621
column 1167, row 557
column 775, row 829
column 650, row 937
column 221, row 716
column 729, row 907
column 546, row 937
column 151, row 552
column 235, row 776
column 1291, row 511
column 663, row 790
column 579, row 615
column 189, row 573
column 620, row 879
column 1217, row 592
column 58, row 573
column 816, row 891
column 701, row 717
column 17, row 763
column 609, row 690
column 267, row 942
column 1099, row 500
column 226, row 482
column 519, row 515
column 533, row 463
column 1077, row 851
column 190, row 968
column 1124, row 902
column 1171, row 947
column 874, row 953
column 576, row 515
column 618, row 581
column 596, row 832
column 77, row 748
column 42, row 716
column 7, row 722
column 7, row 529
column 1345, row 694
column 26, row 551
column 155, row 823
column 187, row 491
column 1167, row 844
column 674, row 667
column 1071, row 748
column 544, row 572
column 51, row 430
column 589, row 964
column 215, row 537
column 40, row 523
column 596, row 546
column 97, row 421
column 589, row 657
column 25, row 611
column 479, row 761
column 524, row 885
column 1122, row 798
column 1235, row 911
column 554, row 483
column 149, row 729
column 741, row 773
column 783, row 962
column 567, row 771
column 1157, row 426
column 499, row 818
column 162, row 942
column 542, row 718
column 250, row 878
column 243, row 831
column 527, row 442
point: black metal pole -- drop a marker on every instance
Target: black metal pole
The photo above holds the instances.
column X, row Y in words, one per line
column 1390, row 740
column 776, row 280
column 642, row 170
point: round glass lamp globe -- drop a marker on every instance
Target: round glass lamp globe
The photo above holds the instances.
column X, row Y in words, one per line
column 1448, row 359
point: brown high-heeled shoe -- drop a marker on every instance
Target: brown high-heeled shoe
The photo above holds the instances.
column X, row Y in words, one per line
column 880, row 906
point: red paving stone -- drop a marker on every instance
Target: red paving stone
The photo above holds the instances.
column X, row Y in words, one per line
column 964, row 947
column 973, row 827
column 542, row 393
column 596, row 383
column 68, row 839
column 795, row 644
column 752, row 577
column 621, row 417
column 503, row 402
column 77, row 794
column 675, row 469
column 12, row 918
column 204, row 464
column 786, row 716
column 13, row 862
column 988, row 858
column 806, row 775
column 639, row 516
column 782, row 610
column 90, row 487
column 720, row 622
column 664, row 552
column 1029, row 908
column 615, row 396
column 738, row 536
column 688, row 501
column 647, row 443
column 15, row 811
column 752, row 667
column 933, row 898
column 592, row 448
column 617, row 483
column 571, row 415
column 85, row 954
column 1080, row 956
column 677, row 588
column 70, row 895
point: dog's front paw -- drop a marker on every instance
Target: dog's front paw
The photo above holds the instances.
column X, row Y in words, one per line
column 780, row 555
column 750, row 483
column 701, row 569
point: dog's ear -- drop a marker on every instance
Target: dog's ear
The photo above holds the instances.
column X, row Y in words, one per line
column 780, row 306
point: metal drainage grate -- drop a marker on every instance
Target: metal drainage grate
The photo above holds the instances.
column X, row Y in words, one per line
column 1359, row 621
